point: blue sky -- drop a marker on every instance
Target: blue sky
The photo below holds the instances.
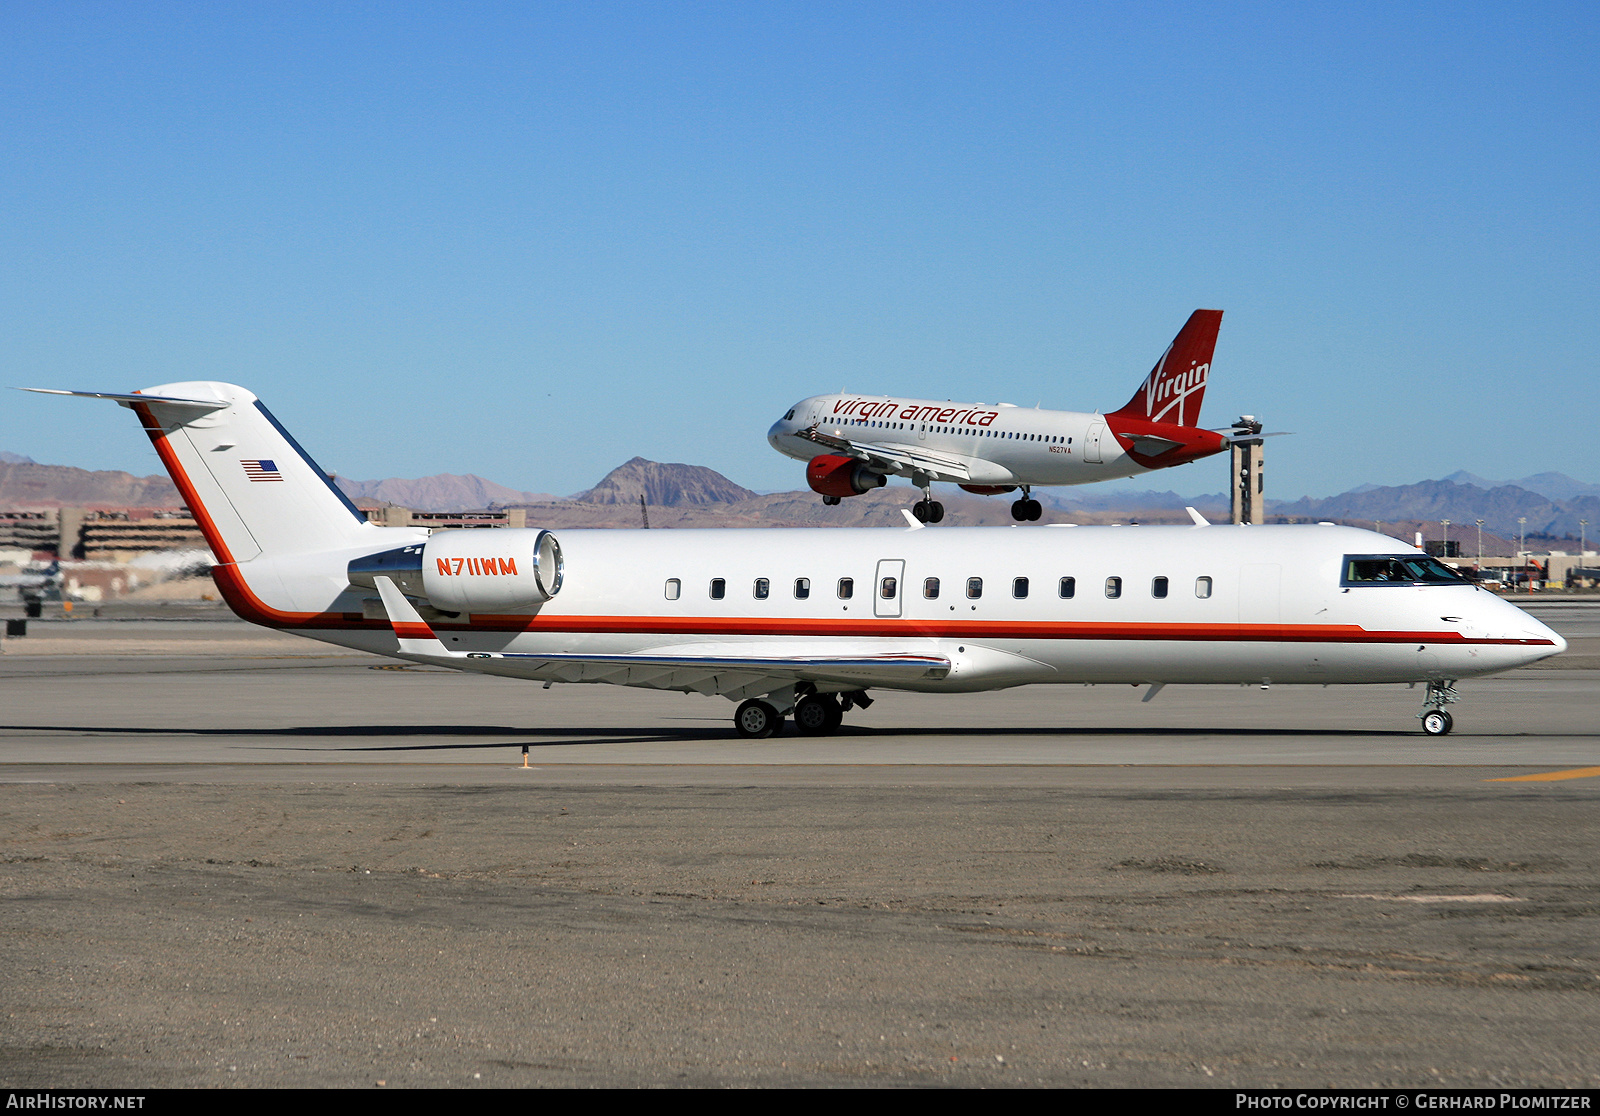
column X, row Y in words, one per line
column 530, row 241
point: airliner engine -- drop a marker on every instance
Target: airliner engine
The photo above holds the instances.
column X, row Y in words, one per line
column 838, row 476
column 503, row 569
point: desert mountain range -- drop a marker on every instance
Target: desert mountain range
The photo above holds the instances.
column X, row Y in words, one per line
column 679, row 495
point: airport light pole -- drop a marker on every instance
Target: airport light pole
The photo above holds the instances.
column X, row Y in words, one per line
column 1480, row 543
column 1444, row 538
column 1583, row 537
column 1522, row 535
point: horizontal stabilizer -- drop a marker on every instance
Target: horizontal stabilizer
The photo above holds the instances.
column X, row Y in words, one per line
column 129, row 398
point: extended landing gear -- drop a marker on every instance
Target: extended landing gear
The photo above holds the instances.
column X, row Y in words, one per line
column 817, row 715
column 756, row 720
column 814, row 714
column 1027, row 509
column 928, row 511
column 830, row 500
column 1436, row 720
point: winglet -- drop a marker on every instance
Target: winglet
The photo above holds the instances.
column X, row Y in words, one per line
column 1199, row 520
column 415, row 637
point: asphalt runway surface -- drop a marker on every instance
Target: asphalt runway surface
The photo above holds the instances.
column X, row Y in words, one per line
column 238, row 859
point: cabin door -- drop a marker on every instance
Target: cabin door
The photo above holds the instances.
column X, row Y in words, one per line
column 1091, row 442
column 888, row 587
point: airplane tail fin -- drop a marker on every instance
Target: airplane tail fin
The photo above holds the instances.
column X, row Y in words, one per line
column 253, row 491
column 1173, row 390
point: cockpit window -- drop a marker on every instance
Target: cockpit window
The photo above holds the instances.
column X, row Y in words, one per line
column 1398, row 569
column 789, row 416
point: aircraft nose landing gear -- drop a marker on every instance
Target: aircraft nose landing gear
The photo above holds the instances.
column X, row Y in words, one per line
column 1436, row 720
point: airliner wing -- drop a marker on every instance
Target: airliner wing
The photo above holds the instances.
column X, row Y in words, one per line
column 706, row 669
column 893, row 457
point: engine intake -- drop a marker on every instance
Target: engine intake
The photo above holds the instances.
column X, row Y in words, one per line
column 482, row 570
column 833, row 475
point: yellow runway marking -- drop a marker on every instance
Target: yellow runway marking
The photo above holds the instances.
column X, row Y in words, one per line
column 1550, row 776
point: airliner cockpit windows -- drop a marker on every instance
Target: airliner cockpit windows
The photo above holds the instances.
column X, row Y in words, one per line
column 1398, row 569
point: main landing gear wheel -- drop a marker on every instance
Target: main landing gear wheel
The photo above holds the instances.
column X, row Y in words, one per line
column 830, row 500
column 928, row 511
column 1026, row 511
column 1437, row 722
column 756, row 720
column 817, row 715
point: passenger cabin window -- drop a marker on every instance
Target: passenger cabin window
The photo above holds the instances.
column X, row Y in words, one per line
column 888, row 587
column 1398, row 569
column 1068, row 588
column 1202, row 587
column 974, row 587
column 763, row 587
column 930, row 588
column 1158, row 588
column 674, row 588
column 847, row 588
column 802, row 588
column 1113, row 587
column 719, row 588
column 1019, row 588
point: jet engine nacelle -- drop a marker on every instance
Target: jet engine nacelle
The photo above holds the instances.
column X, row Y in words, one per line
column 833, row 475
column 473, row 570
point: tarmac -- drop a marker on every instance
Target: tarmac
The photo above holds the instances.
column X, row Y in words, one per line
column 233, row 858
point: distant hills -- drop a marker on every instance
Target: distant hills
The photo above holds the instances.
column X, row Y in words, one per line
column 680, row 495
column 27, row 484
column 1500, row 507
column 444, row 492
column 667, row 485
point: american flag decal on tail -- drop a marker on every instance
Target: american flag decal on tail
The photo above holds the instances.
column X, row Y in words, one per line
column 261, row 470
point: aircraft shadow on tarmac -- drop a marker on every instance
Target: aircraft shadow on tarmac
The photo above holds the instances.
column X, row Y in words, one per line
column 566, row 736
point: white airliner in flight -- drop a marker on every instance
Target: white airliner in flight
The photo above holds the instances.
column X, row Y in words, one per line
column 805, row 621
column 854, row 443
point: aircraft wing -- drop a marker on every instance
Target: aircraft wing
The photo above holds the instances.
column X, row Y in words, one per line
column 893, row 457
column 743, row 670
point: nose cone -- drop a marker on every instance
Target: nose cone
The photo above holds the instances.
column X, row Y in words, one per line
column 777, row 430
column 1525, row 639
column 1558, row 644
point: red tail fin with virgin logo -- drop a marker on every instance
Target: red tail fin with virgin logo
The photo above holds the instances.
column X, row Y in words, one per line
column 1175, row 386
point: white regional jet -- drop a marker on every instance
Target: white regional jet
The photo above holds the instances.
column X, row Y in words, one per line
column 806, row 621
column 991, row 448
